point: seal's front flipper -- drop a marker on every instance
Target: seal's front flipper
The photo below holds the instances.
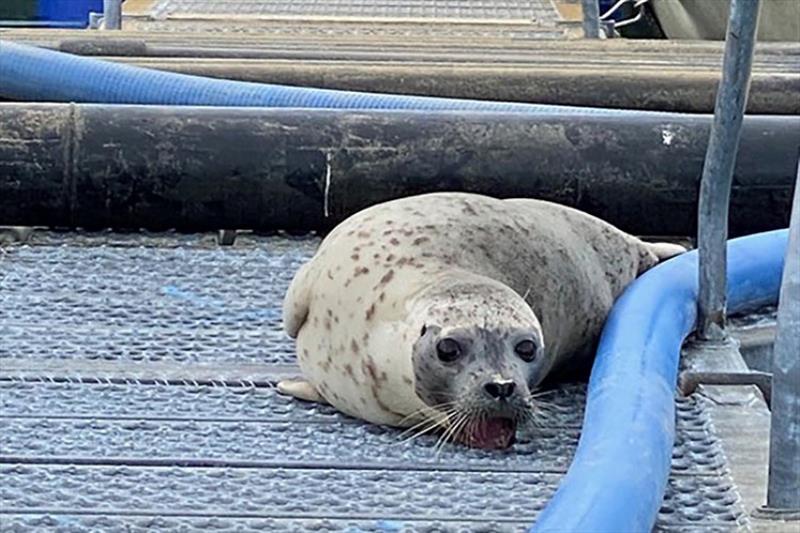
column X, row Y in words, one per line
column 301, row 389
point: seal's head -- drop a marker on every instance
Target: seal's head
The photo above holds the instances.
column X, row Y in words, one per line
column 479, row 353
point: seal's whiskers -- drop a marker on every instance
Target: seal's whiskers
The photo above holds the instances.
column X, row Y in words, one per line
column 426, row 426
column 432, row 409
column 451, row 431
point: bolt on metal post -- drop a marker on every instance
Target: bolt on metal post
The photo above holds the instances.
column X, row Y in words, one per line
column 591, row 19
column 715, row 185
column 783, row 489
column 112, row 14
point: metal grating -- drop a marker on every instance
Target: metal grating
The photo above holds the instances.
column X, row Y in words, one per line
column 84, row 452
column 478, row 10
column 201, row 425
column 136, row 303
column 458, row 20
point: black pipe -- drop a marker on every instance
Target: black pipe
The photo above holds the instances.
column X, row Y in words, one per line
column 99, row 166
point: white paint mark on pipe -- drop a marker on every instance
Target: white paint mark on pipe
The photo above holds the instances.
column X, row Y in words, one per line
column 326, row 200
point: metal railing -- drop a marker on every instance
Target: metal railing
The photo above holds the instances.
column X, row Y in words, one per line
column 591, row 19
column 783, row 490
column 715, row 184
column 112, row 14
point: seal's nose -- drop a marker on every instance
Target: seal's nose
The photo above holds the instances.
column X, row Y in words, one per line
column 500, row 390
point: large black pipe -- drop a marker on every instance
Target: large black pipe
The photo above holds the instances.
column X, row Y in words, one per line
column 98, row 166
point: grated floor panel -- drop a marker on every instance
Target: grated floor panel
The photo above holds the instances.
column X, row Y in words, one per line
column 458, row 20
column 477, row 10
column 86, row 452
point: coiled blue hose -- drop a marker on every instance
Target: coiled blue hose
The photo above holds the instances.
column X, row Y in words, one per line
column 35, row 74
column 617, row 479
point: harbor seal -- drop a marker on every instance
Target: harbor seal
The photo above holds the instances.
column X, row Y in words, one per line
column 447, row 310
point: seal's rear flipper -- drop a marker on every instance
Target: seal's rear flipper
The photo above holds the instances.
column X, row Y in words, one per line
column 652, row 253
column 301, row 389
column 665, row 250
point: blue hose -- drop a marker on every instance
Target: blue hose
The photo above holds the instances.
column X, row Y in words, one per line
column 36, row 74
column 617, row 479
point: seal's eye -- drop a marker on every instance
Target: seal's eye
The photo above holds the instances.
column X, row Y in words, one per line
column 448, row 350
column 424, row 330
column 526, row 350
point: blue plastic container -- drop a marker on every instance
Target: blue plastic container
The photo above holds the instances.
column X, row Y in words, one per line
column 74, row 13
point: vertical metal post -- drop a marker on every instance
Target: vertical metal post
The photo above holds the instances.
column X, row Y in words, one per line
column 783, row 491
column 112, row 14
column 591, row 19
column 715, row 185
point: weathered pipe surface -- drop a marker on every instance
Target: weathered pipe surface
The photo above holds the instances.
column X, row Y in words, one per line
column 101, row 166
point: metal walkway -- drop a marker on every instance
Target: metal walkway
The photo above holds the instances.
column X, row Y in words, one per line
column 136, row 384
column 523, row 19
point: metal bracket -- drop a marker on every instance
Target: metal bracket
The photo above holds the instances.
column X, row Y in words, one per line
column 689, row 381
column 770, row 513
column 226, row 237
column 15, row 234
column 719, row 363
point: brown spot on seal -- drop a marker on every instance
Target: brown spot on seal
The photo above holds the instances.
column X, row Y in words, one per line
column 386, row 278
column 368, row 366
column 370, row 312
column 468, row 209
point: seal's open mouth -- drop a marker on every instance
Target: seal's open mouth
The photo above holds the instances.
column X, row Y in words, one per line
column 490, row 434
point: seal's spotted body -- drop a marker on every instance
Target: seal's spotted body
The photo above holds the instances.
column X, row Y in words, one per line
column 391, row 282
